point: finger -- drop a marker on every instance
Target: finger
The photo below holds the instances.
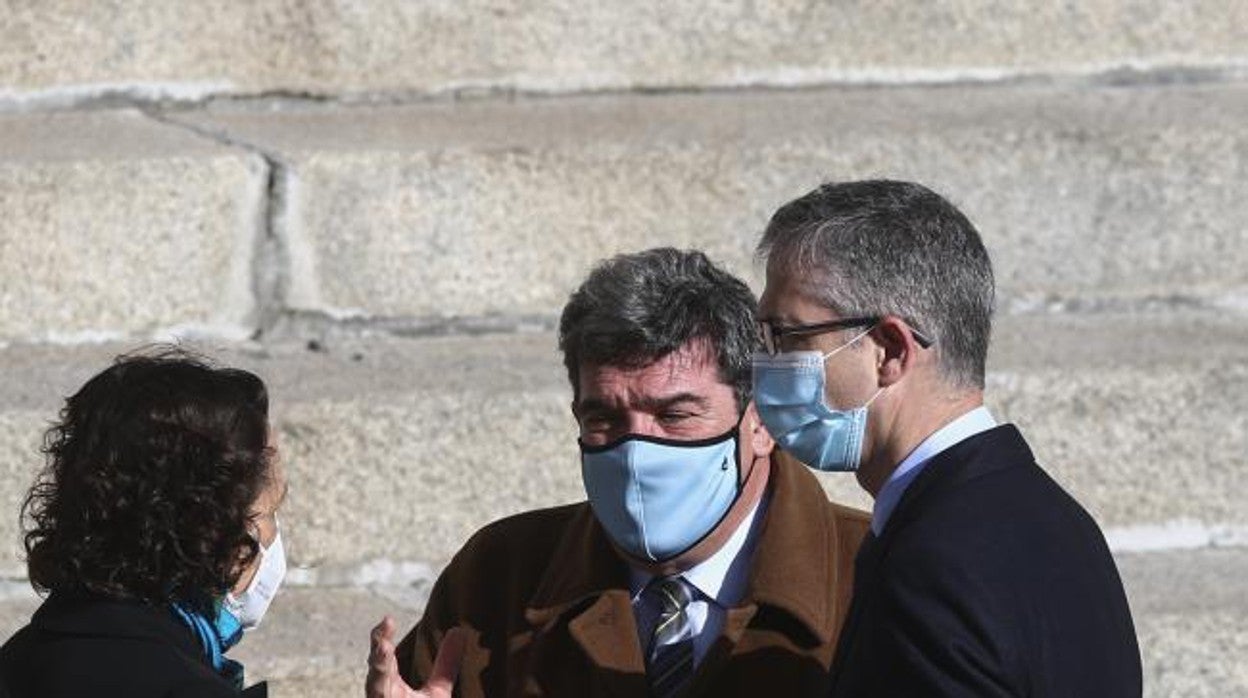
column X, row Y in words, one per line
column 383, row 666
column 382, row 657
column 382, row 633
column 450, row 657
column 383, row 630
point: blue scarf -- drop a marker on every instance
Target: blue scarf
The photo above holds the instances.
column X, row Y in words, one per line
column 215, row 637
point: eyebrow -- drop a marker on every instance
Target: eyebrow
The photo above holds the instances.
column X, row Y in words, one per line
column 650, row 403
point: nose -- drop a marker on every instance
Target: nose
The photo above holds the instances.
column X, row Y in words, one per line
column 643, row 424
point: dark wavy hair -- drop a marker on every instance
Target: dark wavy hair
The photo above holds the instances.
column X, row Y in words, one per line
column 637, row 308
column 151, row 474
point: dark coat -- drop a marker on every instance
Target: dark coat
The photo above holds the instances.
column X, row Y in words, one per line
column 547, row 604
column 988, row 580
column 99, row 647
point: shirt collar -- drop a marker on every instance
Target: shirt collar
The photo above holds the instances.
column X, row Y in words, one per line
column 973, row 422
column 721, row 577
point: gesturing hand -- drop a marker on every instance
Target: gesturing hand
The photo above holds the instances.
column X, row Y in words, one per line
column 384, row 680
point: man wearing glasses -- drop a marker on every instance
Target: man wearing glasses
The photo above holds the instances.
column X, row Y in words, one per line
column 980, row 576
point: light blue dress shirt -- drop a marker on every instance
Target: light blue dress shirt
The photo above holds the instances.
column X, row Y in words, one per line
column 964, row 427
column 717, row 584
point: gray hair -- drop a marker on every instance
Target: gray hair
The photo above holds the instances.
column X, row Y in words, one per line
column 634, row 309
column 883, row 247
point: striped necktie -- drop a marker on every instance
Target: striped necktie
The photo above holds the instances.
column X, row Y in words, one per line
column 670, row 655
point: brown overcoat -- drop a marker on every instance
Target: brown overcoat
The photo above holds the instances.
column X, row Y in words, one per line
column 546, row 601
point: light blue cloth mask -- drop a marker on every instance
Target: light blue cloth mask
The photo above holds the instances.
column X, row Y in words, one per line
column 656, row 497
column 789, row 394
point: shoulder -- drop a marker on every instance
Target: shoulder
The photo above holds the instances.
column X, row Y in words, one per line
column 518, row 549
column 850, row 526
column 1006, row 529
column 203, row 688
column 15, row 655
column 795, row 485
column 492, row 578
column 526, row 534
column 851, row 519
column 118, row 646
column 57, row 665
column 1019, row 502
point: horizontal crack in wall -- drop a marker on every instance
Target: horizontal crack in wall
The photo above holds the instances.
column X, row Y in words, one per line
column 317, row 326
column 168, row 97
column 1024, row 304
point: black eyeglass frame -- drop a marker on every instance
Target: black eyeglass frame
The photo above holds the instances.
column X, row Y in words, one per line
column 770, row 333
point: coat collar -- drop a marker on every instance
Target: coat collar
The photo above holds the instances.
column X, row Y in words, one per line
column 984, row 453
column 74, row 614
column 794, row 569
column 781, row 576
column 90, row 615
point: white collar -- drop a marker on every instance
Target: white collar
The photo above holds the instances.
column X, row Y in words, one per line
column 721, row 577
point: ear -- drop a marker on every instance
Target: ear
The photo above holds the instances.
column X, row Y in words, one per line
column 897, row 350
column 752, row 428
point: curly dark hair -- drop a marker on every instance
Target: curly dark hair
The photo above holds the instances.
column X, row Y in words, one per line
column 151, row 474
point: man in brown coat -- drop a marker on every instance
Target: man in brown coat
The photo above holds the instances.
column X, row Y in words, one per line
column 700, row 566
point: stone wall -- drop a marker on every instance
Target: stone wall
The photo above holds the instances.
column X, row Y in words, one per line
column 382, row 208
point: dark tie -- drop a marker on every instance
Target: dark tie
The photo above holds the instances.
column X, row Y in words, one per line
column 670, row 661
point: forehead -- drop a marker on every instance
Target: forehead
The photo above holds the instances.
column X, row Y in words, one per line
column 275, row 483
column 786, row 299
column 690, row 369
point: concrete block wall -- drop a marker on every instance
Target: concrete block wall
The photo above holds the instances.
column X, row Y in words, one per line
column 381, row 210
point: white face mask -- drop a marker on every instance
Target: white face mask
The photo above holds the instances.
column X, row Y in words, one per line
column 249, row 606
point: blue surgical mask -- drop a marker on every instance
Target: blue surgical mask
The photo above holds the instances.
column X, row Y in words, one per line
column 657, row 498
column 789, row 394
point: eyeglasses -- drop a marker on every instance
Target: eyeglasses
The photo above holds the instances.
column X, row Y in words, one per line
column 771, row 334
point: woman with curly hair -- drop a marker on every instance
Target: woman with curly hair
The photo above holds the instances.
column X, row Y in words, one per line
column 153, row 532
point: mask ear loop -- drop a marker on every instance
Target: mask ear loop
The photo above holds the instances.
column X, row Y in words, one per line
column 254, row 531
column 873, row 397
column 857, row 337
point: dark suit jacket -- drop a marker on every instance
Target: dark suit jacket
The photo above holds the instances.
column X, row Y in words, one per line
column 988, row 580
column 547, row 604
column 78, row 647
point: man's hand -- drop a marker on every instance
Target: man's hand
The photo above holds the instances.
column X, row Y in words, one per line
column 383, row 667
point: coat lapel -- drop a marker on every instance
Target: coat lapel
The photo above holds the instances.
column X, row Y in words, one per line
column 595, row 581
column 786, row 573
column 787, row 578
column 607, row 633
